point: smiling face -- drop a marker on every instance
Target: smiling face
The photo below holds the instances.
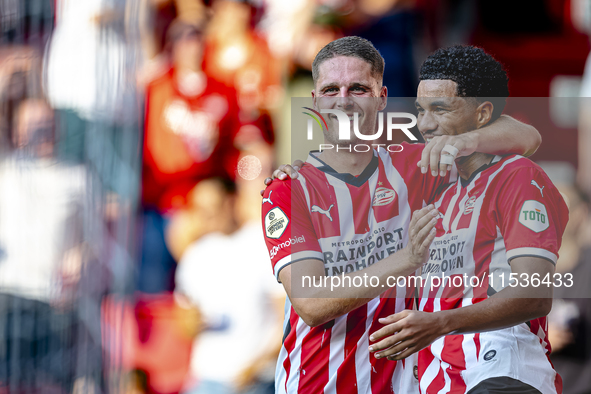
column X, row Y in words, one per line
column 442, row 112
column 347, row 84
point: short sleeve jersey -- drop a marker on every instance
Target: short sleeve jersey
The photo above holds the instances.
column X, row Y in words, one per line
column 348, row 223
column 507, row 209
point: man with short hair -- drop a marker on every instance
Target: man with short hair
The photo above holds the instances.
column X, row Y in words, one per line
column 503, row 219
column 331, row 221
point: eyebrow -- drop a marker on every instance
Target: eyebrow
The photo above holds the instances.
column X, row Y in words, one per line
column 353, row 85
column 360, row 84
column 437, row 103
column 330, row 85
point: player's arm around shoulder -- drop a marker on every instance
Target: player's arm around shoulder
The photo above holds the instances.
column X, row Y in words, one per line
column 505, row 135
column 508, row 135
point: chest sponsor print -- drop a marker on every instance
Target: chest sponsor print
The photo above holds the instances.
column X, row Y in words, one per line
column 359, row 253
column 445, row 255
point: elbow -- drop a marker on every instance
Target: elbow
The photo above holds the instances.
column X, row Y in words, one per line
column 542, row 307
column 536, row 141
column 312, row 321
column 311, row 315
column 546, row 307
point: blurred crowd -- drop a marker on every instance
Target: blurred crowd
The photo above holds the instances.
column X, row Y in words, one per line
column 134, row 139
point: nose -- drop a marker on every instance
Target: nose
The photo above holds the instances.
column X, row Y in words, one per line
column 344, row 100
column 426, row 123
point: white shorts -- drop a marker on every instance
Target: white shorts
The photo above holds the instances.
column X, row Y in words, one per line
column 467, row 360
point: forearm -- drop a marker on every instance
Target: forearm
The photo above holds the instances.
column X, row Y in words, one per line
column 409, row 331
column 338, row 295
column 318, row 298
column 506, row 135
column 504, row 309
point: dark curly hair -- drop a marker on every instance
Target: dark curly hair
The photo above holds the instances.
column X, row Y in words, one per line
column 352, row 46
column 476, row 73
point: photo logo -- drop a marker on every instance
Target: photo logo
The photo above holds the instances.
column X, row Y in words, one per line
column 344, row 121
column 345, row 124
column 317, row 118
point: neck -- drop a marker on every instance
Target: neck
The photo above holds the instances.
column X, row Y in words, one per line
column 467, row 165
column 346, row 162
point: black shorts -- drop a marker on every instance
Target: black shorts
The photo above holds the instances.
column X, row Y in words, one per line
column 503, row 385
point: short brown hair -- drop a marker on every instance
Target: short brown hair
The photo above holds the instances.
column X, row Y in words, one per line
column 352, row 46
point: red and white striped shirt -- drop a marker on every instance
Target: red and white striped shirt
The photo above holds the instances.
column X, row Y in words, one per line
column 348, row 223
column 507, row 209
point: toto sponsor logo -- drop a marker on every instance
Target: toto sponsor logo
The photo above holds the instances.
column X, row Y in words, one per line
column 534, row 216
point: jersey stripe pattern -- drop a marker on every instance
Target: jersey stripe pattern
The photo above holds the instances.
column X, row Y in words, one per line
column 485, row 222
column 348, row 223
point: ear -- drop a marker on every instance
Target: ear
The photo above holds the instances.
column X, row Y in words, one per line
column 314, row 98
column 484, row 114
column 384, row 98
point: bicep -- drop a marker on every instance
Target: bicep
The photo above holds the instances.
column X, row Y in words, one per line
column 299, row 276
column 535, row 275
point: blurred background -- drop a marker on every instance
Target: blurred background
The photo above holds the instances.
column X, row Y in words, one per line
column 134, row 139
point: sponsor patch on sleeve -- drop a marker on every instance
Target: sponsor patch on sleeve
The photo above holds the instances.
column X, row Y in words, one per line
column 533, row 215
column 275, row 223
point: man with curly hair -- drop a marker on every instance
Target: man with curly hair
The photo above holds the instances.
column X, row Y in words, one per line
column 348, row 214
column 487, row 287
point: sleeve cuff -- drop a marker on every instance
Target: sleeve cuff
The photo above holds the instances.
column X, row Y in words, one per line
column 534, row 252
column 295, row 257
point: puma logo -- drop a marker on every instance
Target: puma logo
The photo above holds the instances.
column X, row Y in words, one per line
column 538, row 186
column 316, row 208
column 268, row 199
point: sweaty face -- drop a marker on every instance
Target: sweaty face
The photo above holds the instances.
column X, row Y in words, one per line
column 347, row 84
column 441, row 111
